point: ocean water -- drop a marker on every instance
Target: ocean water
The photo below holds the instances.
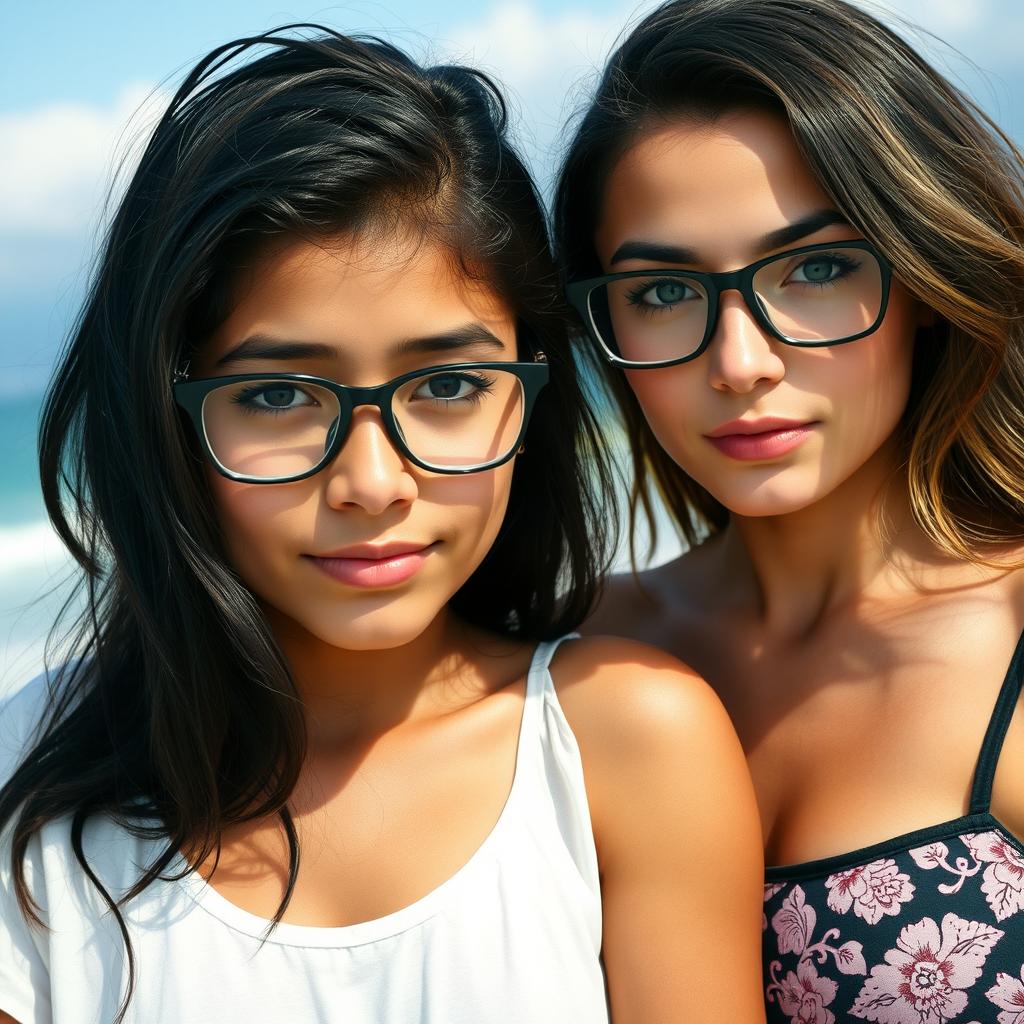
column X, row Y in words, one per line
column 20, row 498
column 34, row 567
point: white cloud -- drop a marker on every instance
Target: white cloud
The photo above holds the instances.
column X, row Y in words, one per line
column 549, row 62
column 59, row 160
column 545, row 62
column 530, row 49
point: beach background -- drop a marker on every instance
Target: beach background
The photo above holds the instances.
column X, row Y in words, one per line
column 80, row 85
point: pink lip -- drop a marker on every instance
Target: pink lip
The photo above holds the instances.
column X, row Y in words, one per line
column 369, row 566
column 759, row 440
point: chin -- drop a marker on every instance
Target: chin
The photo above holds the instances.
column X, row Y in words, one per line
column 378, row 625
column 779, row 495
column 382, row 630
column 755, row 507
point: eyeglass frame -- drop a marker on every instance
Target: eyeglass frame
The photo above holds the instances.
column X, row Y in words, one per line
column 191, row 394
column 578, row 294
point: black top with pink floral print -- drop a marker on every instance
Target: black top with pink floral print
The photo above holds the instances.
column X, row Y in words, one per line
column 922, row 929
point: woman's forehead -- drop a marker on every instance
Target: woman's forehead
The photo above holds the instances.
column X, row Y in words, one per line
column 711, row 186
column 360, row 295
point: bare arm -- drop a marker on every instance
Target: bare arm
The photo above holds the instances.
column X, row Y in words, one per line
column 678, row 837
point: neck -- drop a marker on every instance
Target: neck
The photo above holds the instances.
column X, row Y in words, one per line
column 353, row 696
column 803, row 567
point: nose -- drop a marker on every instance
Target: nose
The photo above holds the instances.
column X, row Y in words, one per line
column 742, row 355
column 369, row 472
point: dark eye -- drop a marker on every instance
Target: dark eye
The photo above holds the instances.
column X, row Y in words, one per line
column 278, row 397
column 274, row 396
column 452, row 387
column 445, row 387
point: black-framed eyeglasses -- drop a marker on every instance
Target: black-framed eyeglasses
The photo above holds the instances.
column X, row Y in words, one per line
column 829, row 293
column 266, row 428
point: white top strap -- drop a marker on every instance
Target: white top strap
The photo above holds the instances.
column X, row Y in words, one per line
column 539, row 677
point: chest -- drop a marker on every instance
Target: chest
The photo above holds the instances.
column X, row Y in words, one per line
column 875, row 728
column 380, row 828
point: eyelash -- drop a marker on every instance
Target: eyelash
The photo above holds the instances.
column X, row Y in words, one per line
column 244, row 400
column 647, row 308
column 847, row 263
column 484, row 386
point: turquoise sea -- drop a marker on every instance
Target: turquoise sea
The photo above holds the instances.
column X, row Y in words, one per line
column 20, row 499
column 33, row 565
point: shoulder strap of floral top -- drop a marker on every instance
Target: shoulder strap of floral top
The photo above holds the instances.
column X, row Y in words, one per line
column 984, row 773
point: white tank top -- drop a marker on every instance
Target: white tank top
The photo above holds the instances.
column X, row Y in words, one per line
column 513, row 937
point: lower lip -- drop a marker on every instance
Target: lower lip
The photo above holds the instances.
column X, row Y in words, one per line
column 772, row 444
column 372, row 573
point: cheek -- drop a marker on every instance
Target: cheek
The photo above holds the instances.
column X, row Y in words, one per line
column 671, row 399
column 867, row 382
column 260, row 524
column 470, row 509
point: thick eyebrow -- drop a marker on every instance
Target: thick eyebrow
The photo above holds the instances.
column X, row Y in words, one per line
column 653, row 251
column 262, row 346
column 447, row 341
column 662, row 253
column 801, row 229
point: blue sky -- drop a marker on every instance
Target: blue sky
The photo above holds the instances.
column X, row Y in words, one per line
column 73, row 75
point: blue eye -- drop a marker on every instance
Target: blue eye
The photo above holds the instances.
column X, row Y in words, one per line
column 822, row 269
column 668, row 292
column 663, row 293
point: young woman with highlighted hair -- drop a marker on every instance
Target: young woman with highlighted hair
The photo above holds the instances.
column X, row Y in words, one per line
column 799, row 251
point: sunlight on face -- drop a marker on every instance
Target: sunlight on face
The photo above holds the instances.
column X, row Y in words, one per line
column 364, row 554
column 718, row 190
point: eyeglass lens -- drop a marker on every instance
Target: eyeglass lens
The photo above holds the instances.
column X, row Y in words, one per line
column 275, row 429
column 809, row 298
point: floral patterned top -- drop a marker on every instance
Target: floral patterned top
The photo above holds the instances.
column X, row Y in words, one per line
column 921, row 929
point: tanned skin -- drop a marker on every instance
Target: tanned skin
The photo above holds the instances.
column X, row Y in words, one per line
column 859, row 664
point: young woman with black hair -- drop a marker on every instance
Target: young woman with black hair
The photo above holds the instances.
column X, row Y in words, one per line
column 319, row 448
column 800, row 251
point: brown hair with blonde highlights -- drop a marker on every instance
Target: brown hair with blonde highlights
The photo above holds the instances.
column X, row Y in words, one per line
column 912, row 163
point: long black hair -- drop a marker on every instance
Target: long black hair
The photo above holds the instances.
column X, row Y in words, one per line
column 911, row 162
column 178, row 717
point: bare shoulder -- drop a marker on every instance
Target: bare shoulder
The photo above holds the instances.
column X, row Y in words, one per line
column 627, row 701
column 660, row 754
